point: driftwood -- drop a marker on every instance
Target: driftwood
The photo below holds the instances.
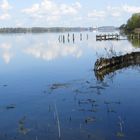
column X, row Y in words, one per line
column 104, row 66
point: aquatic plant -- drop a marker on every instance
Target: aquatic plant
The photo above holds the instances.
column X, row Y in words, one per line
column 11, row 106
column 22, row 129
column 121, row 124
column 90, row 119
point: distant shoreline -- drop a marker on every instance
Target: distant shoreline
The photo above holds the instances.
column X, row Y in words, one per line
column 44, row 29
column 52, row 29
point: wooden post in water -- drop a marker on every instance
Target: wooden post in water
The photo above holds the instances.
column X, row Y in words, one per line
column 59, row 38
column 87, row 36
column 63, row 39
column 108, row 37
column 105, row 37
column 68, row 37
column 80, row 36
column 73, row 38
column 112, row 36
column 101, row 37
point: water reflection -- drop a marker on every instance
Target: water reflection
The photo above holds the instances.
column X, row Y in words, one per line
column 135, row 42
column 41, row 101
column 6, row 52
column 53, row 51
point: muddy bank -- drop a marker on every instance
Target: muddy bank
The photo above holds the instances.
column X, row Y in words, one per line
column 104, row 66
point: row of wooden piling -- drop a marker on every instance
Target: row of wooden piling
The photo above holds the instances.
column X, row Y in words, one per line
column 71, row 37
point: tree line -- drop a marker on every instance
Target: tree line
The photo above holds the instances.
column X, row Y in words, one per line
column 42, row 29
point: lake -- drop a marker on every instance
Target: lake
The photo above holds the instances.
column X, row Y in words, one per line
column 49, row 91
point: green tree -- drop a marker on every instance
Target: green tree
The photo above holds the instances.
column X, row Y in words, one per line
column 133, row 22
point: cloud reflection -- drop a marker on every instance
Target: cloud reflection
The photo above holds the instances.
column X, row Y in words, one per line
column 53, row 51
column 6, row 53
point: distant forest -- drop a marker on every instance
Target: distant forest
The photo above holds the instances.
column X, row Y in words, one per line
column 43, row 29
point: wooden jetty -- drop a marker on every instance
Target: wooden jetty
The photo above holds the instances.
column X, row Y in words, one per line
column 101, row 37
column 104, row 66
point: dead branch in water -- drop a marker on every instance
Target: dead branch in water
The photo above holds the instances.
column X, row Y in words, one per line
column 105, row 66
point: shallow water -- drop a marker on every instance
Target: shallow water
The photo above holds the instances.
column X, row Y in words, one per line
column 48, row 89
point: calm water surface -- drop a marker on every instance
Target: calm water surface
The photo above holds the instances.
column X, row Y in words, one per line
column 48, row 89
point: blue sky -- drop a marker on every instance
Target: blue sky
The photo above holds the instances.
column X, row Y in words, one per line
column 49, row 13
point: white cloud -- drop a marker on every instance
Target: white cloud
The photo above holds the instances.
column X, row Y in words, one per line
column 116, row 12
column 109, row 11
column 4, row 8
column 5, row 5
column 97, row 14
column 123, row 9
column 131, row 9
column 4, row 16
column 51, row 11
column 72, row 10
column 78, row 18
column 19, row 23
